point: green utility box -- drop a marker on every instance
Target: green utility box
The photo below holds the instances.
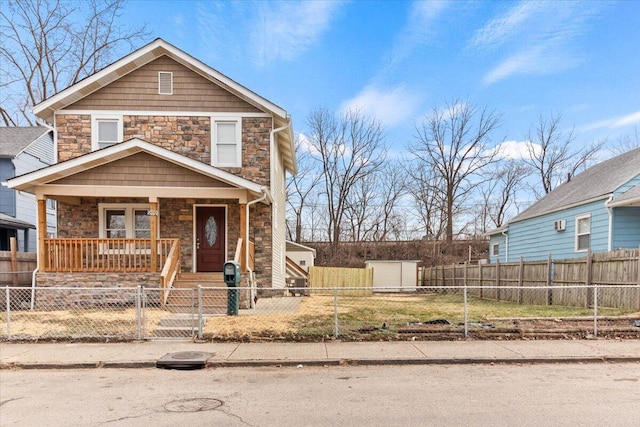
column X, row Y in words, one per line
column 231, row 272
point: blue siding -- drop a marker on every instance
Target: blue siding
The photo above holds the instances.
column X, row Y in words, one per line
column 626, row 227
column 535, row 238
column 501, row 240
column 7, row 195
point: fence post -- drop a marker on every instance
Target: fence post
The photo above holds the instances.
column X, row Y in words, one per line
column 638, row 271
column 200, row 312
column 8, row 302
column 520, row 279
column 481, row 281
column 139, row 311
column 497, row 280
column 549, row 281
column 587, row 281
column 466, row 307
column 335, row 313
column 14, row 261
column 595, row 310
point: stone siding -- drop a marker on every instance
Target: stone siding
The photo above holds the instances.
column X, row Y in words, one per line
column 74, row 135
column 89, row 290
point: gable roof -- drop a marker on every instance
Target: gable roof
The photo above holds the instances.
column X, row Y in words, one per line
column 155, row 50
column 28, row 181
column 13, row 140
column 597, row 182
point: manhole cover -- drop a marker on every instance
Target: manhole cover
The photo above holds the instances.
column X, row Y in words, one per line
column 184, row 360
column 193, row 405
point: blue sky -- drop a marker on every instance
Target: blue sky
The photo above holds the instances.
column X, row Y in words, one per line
column 397, row 60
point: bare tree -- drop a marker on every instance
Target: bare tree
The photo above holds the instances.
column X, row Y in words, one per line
column 300, row 187
column 627, row 142
column 551, row 154
column 455, row 143
column 48, row 45
column 499, row 195
column 425, row 188
column 391, row 188
column 349, row 148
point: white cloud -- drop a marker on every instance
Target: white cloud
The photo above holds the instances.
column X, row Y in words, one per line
column 390, row 106
column 614, row 122
column 515, row 150
column 535, row 37
column 283, row 30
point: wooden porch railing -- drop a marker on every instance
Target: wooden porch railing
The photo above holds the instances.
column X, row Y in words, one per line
column 241, row 259
column 105, row 255
column 170, row 270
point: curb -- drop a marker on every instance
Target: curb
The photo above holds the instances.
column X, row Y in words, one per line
column 325, row 363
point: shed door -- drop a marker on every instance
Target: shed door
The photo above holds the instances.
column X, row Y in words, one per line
column 210, row 238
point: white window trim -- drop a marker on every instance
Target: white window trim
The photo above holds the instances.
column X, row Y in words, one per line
column 129, row 208
column 170, row 79
column 578, row 218
column 214, row 138
column 493, row 249
column 94, row 128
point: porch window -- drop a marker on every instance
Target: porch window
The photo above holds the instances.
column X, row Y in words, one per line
column 227, row 146
column 107, row 130
column 583, row 232
column 118, row 221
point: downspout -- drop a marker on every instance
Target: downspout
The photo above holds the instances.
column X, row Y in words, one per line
column 265, row 195
column 610, row 232
column 505, row 233
column 55, row 160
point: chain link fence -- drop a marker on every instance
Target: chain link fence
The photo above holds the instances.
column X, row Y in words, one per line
column 313, row 314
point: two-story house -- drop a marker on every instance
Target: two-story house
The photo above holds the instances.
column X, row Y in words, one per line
column 22, row 150
column 164, row 166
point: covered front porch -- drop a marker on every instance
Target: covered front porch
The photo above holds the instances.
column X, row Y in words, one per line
column 140, row 210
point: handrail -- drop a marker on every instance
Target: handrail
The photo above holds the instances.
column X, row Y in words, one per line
column 170, row 270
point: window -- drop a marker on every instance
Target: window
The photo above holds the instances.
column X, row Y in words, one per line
column 165, row 83
column 227, row 147
column 583, row 232
column 106, row 131
column 124, row 221
column 495, row 249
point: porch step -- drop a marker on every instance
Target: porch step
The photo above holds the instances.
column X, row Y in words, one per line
column 174, row 332
column 214, row 301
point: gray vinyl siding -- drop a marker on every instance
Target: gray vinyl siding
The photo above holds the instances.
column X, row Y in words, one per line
column 626, row 227
column 535, row 238
column 7, row 196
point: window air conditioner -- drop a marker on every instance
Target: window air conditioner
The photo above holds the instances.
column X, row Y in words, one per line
column 559, row 225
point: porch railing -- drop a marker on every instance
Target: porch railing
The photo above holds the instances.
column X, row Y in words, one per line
column 170, row 270
column 105, row 255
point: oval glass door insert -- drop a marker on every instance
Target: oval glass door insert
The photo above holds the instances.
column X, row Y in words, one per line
column 211, row 230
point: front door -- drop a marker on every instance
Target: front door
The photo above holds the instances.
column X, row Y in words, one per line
column 210, row 238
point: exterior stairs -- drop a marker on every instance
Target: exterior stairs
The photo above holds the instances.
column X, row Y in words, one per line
column 183, row 297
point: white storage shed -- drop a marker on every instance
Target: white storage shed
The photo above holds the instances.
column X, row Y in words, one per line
column 394, row 276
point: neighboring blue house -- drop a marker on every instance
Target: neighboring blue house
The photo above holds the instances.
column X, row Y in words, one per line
column 22, row 150
column 598, row 209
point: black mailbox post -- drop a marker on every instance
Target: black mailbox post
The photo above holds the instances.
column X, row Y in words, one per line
column 231, row 272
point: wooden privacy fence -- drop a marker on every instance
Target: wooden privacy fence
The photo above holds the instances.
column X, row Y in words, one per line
column 565, row 282
column 333, row 277
column 16, row 267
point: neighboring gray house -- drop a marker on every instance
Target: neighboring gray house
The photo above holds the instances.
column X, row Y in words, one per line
column 22, row 150
column 597, row 210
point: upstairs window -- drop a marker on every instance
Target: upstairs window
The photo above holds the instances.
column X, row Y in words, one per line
column 583, row 233
column 107, row 130
column 227, row 147
column 165, row 83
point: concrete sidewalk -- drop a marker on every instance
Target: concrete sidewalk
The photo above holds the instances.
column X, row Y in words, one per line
column 146, row 354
